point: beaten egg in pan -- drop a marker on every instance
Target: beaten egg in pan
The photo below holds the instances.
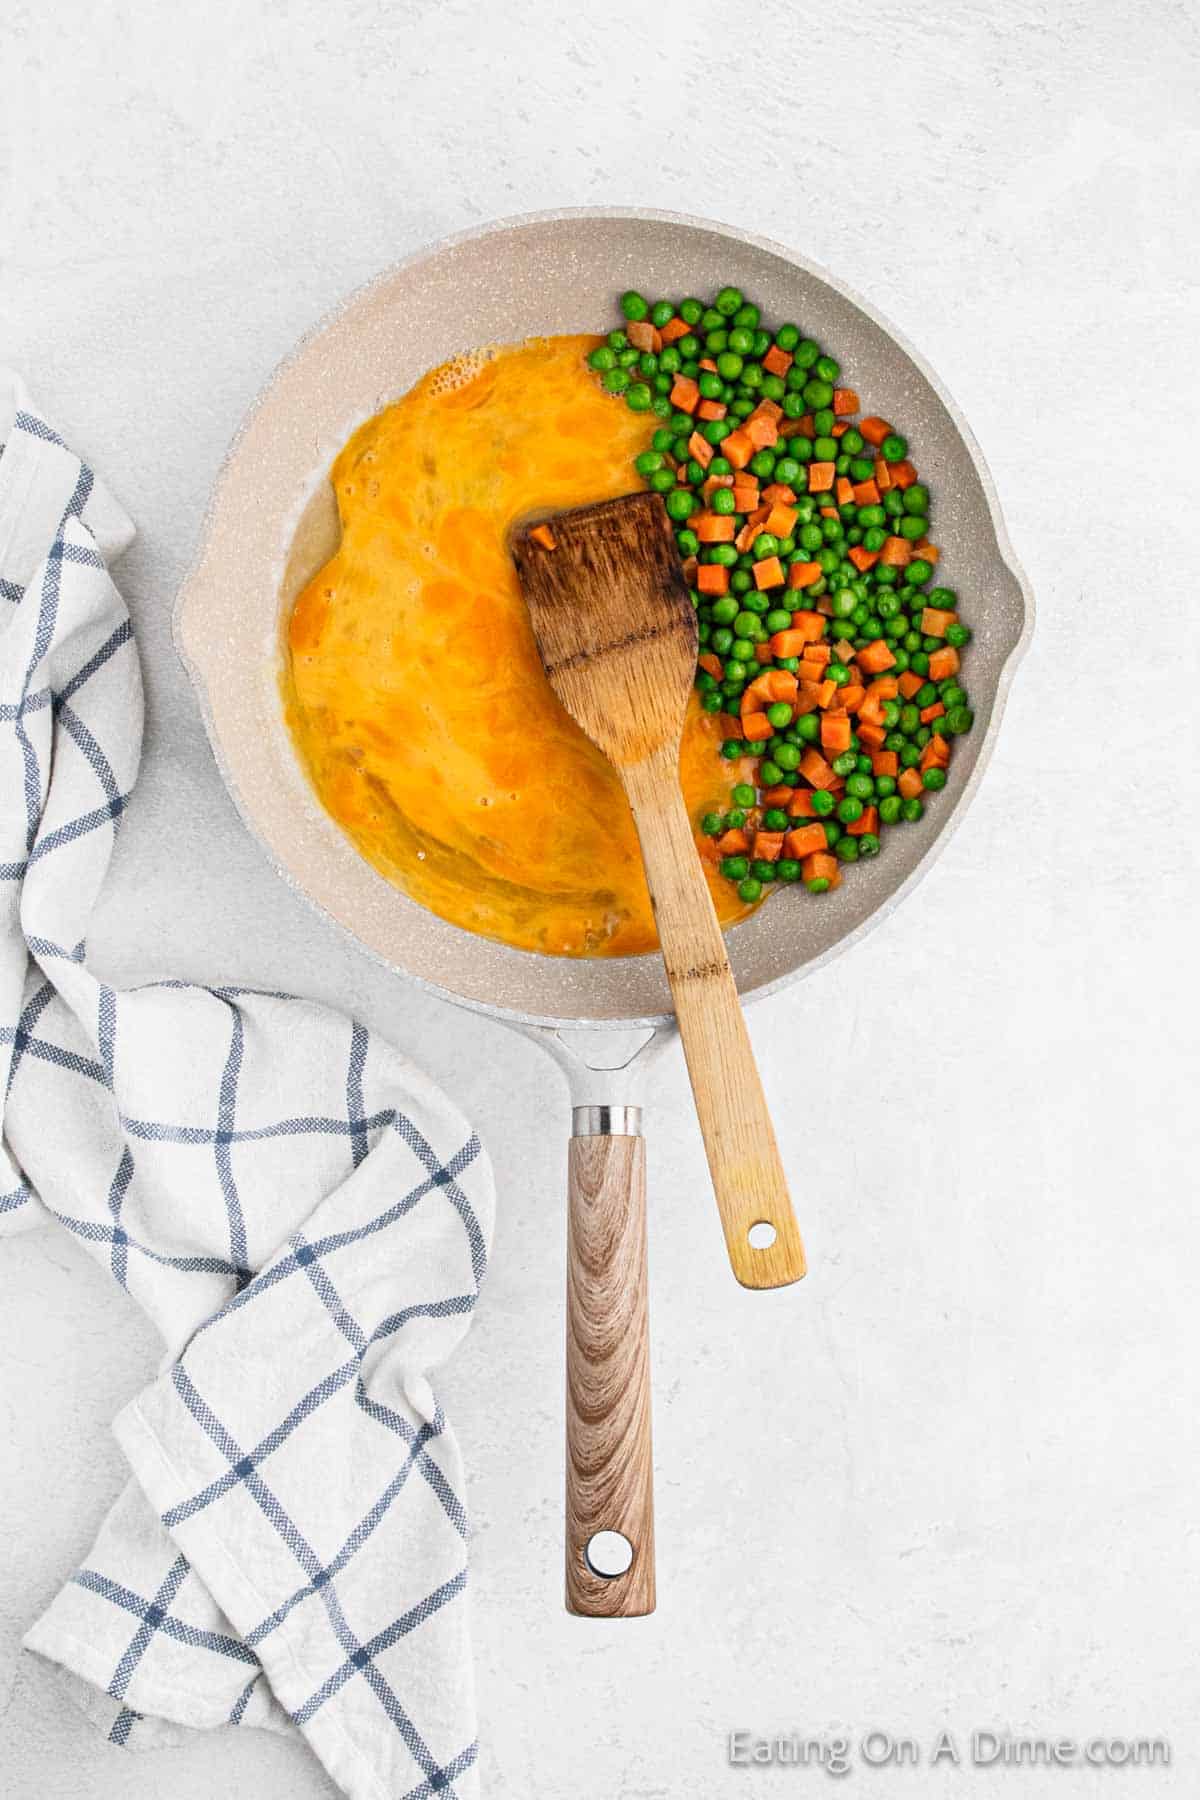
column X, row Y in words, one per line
column 412, row 685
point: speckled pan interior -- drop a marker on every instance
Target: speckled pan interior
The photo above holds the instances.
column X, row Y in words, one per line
column 271, row 523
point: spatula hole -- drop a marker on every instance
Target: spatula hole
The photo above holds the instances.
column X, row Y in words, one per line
column 762, row 1235
column 608, row 1554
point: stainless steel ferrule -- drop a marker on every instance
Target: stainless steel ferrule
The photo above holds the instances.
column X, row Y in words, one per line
column 606, row 1121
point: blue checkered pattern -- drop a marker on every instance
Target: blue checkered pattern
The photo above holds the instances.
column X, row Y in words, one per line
column 305, row 1217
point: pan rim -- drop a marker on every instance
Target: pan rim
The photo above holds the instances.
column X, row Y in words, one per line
column 496, row 227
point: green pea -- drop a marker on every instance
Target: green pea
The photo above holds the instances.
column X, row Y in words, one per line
column 770, row 773
column 615, row 381
column 934, row 779
column 868, row 844
column 959, row 719
column 787, row 869
column 807, row 728
column 849, row 809
column 778, row 620
column 633, row 305
column 779, row 714
column 663, row 480
column 691, row 311
column 602, row 358
column 846, row 849
column 894, row 449
column 958, row 635
column 681, row 503
column 728, row 301
column 818, row 885
column 710, row 824
column 723, row 501
column 823, row 802
column 712, row 703
column 735, row 868
column 732, row 748
column 889, row 808
column 688, row 542
column 861, row 787
column 750, row 889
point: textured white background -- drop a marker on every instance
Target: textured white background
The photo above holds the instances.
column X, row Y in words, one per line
column 950, row 1478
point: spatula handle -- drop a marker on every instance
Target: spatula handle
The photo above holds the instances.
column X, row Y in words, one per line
column 610, row 1481
column 739, row 1140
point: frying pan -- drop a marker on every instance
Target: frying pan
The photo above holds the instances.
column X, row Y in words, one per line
column 272, row 523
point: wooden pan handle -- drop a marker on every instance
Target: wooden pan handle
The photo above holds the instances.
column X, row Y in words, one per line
column 610, row 1480
column 739, row 1139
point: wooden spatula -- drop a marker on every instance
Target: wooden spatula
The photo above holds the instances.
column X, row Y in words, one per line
column 616, row 631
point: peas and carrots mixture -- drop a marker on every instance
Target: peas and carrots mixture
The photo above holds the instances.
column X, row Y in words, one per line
column 803, row 529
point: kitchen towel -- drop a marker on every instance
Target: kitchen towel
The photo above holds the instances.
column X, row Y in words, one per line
column 303, row 1214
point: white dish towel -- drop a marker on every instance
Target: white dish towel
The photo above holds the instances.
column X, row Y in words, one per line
column 303, row 1214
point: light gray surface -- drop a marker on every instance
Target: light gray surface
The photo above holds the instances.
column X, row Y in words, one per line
column 950, row 1477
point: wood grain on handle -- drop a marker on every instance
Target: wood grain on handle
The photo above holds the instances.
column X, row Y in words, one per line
column 743, row 1157
column 610, row 1482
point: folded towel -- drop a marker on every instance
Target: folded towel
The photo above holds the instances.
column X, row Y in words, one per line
column 303, row 1214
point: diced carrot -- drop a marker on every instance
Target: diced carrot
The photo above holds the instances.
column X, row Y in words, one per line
column 711, row 409
column 711, row 665
column 685, row 394
column 745, row 492
column 733, row 843
column 701, row 449
column 542, row 534
column 867, row 820
column 762, row 432
column 779, row 490
column 815, row 770
column 689, row 566
column 844, row 490
column 875, row 657
column 776, row 796
column 871, row 710
column 713, row 528
column 706, row 362
column 802, row 840
column 829, row 512
column 930, row 552
column 820, row 866
column 903, row 474
column 863, row 559
column 896, row 553
column 883, row 475
column 673, row 330
column 780, row 684
column 763, row 653
column 756, row 727
column 643, row 335
column 821, row 477
column 781, row 520
column 943, row 663
column 818, row 653
column 810, row 623
column 737, row 448
column 712, row 578
column 884, row 762
column 825, row 606
column 939, row 749
column 835, row 733
column 885, row 687
column 808, row 694
column 853, row 694
column 788, row 643
column 802, row 575
column 811, row 670
column 874, row 429
column 930, row 713
column 768, row 573
column 934, row 620
column 872, row 735
column 910, row 784
column 778, row 362
column 768, row 409
column 800, row 804
column 845, row 400
column 827, row 693
column 840, row 429
column 866, row 493
column 768, row 845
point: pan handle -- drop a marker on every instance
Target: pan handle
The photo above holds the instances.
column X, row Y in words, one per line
column 610, row 1476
